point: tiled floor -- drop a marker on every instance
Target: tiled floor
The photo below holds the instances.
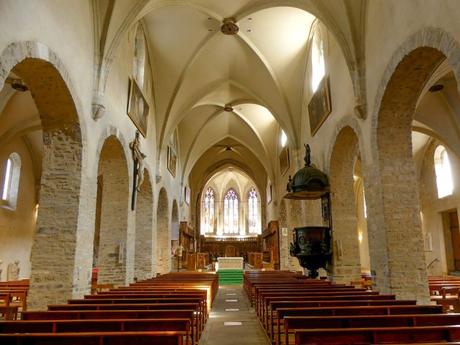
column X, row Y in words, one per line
column 243, row 327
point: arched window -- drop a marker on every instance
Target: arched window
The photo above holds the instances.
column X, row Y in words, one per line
column 231, row 212
column 208, row 212
column 443, row 171
column 140, row 53
column 11, row 180
column 253, row 214
column 283, row 139
column 318, row 64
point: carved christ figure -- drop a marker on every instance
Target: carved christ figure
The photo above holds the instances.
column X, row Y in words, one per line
column 138, row 158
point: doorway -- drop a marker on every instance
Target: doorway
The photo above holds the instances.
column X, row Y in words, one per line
column 453, row 228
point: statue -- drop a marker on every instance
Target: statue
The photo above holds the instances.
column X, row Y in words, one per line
column 13, row 271
column 307, row 158
column 138, row 158
column 179, row 250
column 138, row 176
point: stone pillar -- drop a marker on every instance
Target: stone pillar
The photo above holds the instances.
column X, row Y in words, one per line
column 284, row 239
column 394, row 191
column 53, row 249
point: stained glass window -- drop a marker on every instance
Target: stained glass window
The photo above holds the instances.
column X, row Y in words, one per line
column 253, row 218
column 208, row 212
column 231, row 212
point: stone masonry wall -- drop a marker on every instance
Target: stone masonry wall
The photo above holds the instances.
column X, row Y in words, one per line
column 144, row 231
column 163, row 234
column 347, row 264
column 53, row 250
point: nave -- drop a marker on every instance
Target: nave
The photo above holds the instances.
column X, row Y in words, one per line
column 303, row 154
column 270, row 307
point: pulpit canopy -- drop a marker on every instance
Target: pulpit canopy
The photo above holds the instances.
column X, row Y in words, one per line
column 309, row 182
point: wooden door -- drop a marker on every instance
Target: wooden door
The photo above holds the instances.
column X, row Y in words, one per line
column 455, row 235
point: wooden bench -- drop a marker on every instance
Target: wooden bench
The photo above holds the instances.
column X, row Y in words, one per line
column 116, row 314
column 198, row 322
column 96, row 338
column 73, row 326
column 386, row 335
column 293, row 323
column 282, row 313
column 267, row 311
column 275, row 320
column 9, row 312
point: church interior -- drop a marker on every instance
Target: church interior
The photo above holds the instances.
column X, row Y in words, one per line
column 209, row 172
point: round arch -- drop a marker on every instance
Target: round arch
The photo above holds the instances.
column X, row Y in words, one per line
column 396, row 196
column 111, row 230
column 63, row 136
column 346, row 258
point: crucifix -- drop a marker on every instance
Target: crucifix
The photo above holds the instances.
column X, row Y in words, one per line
column 138, row 175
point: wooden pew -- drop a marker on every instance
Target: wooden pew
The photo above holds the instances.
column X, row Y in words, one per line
column 129, row 306
column 73, row 326
column 116, row 314
column 386, row 335
column 96, row 338
column 346, row 311
column 133, row 299
column 285, row 305
column 9, row 312
column 293, row 323
column 267, row 312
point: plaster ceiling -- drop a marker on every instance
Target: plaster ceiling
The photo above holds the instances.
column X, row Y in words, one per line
column 260, row 72
column 197, row 69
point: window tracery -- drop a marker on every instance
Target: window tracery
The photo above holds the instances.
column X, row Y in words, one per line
column 231, row 216
column 253, row 218
column 208, row 211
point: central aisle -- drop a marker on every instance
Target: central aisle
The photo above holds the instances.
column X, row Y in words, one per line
column 250, row 332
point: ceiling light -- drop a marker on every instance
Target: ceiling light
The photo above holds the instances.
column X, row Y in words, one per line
column 436, row 88
column 228, row 107
column 229, row 26
column 17, row 84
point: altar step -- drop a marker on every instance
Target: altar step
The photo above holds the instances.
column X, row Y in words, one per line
column 230, row 276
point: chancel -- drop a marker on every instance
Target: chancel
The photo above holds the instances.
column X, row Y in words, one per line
column 214, row 172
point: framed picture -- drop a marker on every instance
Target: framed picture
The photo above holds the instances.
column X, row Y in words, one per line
column 284, row 160
column 269, row 193
column 138, row 108
column 187, row 195
column 171, row 161
column 320, row 106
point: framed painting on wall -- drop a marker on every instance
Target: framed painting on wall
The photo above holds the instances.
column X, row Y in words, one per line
column 187, row 195
column 320, row 105
column 284, row 160
column 269, row 193
column 171, row 161
column 138, row 108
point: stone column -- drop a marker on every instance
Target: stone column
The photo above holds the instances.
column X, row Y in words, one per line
column 53, row 249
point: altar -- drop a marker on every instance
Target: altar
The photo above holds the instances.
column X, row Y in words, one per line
column 230, row 270
column 230, row 263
